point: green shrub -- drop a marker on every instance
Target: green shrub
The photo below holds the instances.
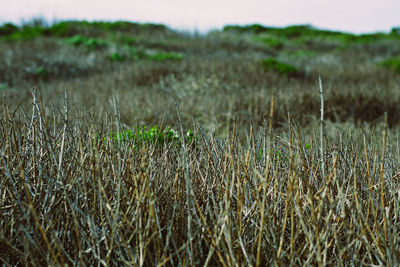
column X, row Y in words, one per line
column 90, row 43
column 395, row 30
column 137, row 54
column 126, row 39
column 63, row 29
column 392, row 63
column 164, row 56
column 8, row 29
column 153, row 135
column 26, row 33
column 116, row 57
column 271, row 64
column 270, row 41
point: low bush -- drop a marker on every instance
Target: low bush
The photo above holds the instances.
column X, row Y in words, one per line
column 271, row 64
column 90, row 43
column 392, row 63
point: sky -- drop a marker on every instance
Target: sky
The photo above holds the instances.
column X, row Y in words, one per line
column 356, row 16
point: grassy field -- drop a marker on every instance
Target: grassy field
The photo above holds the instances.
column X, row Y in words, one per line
column 133, row 144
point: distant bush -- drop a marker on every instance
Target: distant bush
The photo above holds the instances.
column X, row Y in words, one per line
column 26, row 33
column 126, row 39
column 91, row 43
column 392, row 63
column 116, row 57
column 395, row 30
column 164, row 56
column 8, row 29
column 274, row 65
column 270, row 41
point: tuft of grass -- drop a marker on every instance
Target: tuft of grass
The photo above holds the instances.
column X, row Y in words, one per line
column 162, row 56
column 270, row 41
column 90, row 43
column 392, row 63
column 8, row 29
column 116, row 57
column 272, row 64
column 153, row 135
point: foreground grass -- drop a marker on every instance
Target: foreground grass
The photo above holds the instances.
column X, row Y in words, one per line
column 70, row 197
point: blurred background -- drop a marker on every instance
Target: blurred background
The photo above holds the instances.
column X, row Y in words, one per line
column 357, row 16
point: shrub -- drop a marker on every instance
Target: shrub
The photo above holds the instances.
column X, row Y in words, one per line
column 126, row 39
column 153, row 135
column 91, row 43
column 116, row 57
column 270, row 41
column 26, row 33
column 392, row 63
column 8, row 29
column 271, row 64
column 164, row 56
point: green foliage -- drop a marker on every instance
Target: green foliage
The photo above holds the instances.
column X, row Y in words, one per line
column 164, row 56
column 64, row 29
column 41, row 71
column 116, row 57
column 392, row 63
column 137, row 53
column 395, row 30
column 153, row 135
column 8, row 29
column 271, row 64
column 90, row 43
column 126, row 39
column 270, row 41
column 26, row 33
column 253, row 28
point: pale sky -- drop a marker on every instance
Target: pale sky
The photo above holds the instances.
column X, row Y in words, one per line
column 358, row 16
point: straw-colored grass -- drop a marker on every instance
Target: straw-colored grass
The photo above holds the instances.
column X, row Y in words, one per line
column 69, row 196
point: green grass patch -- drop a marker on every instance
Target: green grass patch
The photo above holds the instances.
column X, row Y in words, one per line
column 270, row 41
column 125, row 39
column 392, row 63
column 153, row 135
column 161, row 56
column 8, row 29
column 90, row 43
column 271, row 64
column 116, row 57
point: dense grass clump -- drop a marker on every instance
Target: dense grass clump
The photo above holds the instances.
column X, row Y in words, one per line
column 69, row 197
column 145, row 146
column 280, row 67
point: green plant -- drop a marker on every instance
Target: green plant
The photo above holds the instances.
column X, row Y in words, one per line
column 116, row 57
column 280, row 67
column 392, row 63
column 164, row 56
column 270, row 41
column 26, row 33
column 153, row 135
column 126, row 39
column 90, row 43
column 8, row 29
column 137, row 53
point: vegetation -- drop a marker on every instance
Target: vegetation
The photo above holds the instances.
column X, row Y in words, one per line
column 275, row 65
column 144, row 146
column 392, row 63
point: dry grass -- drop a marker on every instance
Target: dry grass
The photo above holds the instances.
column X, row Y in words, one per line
column 69, row 197
column 247, row 190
